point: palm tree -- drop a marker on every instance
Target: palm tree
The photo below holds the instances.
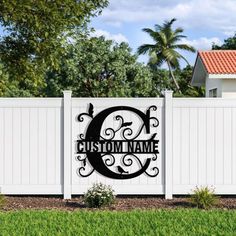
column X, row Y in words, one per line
column 166, row 47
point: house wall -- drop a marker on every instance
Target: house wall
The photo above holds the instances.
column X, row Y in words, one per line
column 212, row 84
column 229, row 88
column 226, row 88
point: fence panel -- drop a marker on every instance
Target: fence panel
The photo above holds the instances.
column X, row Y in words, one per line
column 204, row 144
column 39, row 144
column 31, row 144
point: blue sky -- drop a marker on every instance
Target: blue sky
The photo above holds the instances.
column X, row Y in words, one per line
column 204, row 21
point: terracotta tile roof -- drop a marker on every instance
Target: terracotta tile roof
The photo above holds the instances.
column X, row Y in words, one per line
column 219, row 61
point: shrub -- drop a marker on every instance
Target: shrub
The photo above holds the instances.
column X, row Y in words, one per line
column 99, row 195
column 204, row 197
column 2, row 201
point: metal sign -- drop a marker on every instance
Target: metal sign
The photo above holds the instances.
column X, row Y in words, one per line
column 101, row 151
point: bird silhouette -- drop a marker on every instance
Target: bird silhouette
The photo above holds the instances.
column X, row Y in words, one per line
column 121, row 170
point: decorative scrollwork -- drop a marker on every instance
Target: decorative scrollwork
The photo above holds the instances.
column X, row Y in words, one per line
column 80, row 170
column 105, row 157
column 110, row 132
column 156, row 172
column 128, row 159
column 154, row 158
column 153, row 107
column 89, row 114
column 156, row 122
column 81, row 136
column 80, row 158
column 81, row 118
column 127, row 133
column 109, row 160
column 119, row 117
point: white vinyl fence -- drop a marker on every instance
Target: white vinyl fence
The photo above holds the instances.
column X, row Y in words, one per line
column 195, row 138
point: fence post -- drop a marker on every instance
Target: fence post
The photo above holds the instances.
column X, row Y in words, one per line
column 67, row 145
column 168, row 145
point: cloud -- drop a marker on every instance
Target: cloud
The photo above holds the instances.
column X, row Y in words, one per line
column 202, row 43
column 202, row 14
column 123, row 11
column 230, row 33
column 119, row 38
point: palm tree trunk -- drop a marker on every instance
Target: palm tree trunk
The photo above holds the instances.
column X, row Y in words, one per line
column 173, row 77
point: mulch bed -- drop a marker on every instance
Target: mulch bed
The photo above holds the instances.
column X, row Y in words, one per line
column 121, row 203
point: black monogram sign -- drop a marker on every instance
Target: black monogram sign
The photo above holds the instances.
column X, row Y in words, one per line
column 101, row 151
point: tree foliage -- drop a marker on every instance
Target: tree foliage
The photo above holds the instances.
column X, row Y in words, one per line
column 46, row 49
column 184, row 77
column 161, row 82
column 165, row 47
column 229, row 44
column 36, row 32
column 95, row 67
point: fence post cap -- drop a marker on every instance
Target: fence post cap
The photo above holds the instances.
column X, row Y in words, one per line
column 67, row 92
column 167, row 92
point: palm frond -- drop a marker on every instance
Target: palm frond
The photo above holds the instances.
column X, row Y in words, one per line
column 175, row 38
column 167, row 27
column 184, row 59
column 175, row 64
column 168, row 24
column 146, row 48
column 152, row 33
column 172, row 57
column 169, row 54
column 156, row 59
column 157, row 27
column 158, row 36
column 162, row 39
column 148, row 30
column 185, row 47
column 176, row 56
column 178, row 30
column 166, row 45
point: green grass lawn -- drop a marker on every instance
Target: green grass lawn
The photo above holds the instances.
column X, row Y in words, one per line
column 163, row 222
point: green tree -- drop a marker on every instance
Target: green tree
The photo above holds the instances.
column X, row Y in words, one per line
column 36, row 32
column 184, row 78
column 165, row 47
column 14, row 88
column 160, row 81
column 229, row 44
column 95, row 67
